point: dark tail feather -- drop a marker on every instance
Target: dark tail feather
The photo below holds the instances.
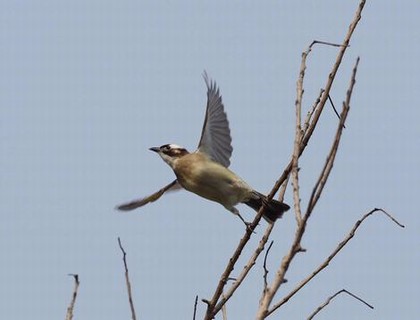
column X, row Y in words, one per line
column 274, row 209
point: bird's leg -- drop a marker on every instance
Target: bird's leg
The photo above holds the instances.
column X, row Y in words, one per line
column 236, row 212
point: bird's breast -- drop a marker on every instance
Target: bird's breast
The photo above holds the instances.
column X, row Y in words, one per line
column 211, row 180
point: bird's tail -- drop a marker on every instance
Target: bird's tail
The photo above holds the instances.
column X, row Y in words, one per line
column 274, row 209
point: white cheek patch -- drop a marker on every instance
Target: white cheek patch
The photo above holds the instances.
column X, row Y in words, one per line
column 169, row 160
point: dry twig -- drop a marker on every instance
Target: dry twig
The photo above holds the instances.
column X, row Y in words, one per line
column 311, row 112
column 265, row 266
column 211, row 305
column 295, row 248
column 323, row 305
column 224, row 310
column 327, row 261
column 195, row 307
column 298, row 138
column 70, row 309
column 214, row 305
column 251, row 262
column 319, row 186
column 127, row 281
column 334, row 109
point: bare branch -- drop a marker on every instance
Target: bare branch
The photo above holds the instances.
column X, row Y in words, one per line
column 390, row 217
column 334, row 109
column 296, row 245
column 327, row 261
column 70, row 309
column 195, row 307
column 283, row 188
column 298, row 137
column 224, row 310
column 127, row 282
column 213, row 306
column 319, row 186
column 322, row 306
column 211, row 310
column 333, row 73
column 265, row 266
column 318, row 110
column 311, row 112
column 328, row 43
column 251, row 262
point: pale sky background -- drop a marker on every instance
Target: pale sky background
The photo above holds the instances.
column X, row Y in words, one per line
column 86, row 87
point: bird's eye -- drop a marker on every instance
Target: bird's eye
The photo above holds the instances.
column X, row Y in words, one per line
column 166, row 147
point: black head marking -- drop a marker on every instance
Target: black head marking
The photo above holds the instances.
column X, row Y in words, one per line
column 173, row 150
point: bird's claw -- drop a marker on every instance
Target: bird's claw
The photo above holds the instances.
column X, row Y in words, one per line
column 248, row 225
column 249, row 228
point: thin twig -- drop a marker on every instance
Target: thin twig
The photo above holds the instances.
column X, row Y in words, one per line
column 295, row 248
column 323, row 305
column 224, row 310
column 335, row 110
column 127, row 281
column 298, row 137
column 70, row 309
column 195, row 306
column 327, row 261
column 311, row 127
column 319, row 186
column 265, row 265
column 211, row 304
column 329, row 43
column 283, row 188
column 251, row 262
column 311, row 112
column 333, row 72
column 211, row 311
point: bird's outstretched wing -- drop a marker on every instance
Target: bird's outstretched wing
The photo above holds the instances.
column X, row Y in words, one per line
column 174, row 185
column 215, row 138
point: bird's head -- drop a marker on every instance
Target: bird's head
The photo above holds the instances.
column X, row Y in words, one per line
column 170, row 153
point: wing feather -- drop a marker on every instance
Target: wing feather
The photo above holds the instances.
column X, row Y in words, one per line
column 215, row 139
column 174, row 185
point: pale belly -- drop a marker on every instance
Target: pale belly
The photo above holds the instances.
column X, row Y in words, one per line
column 216, row 183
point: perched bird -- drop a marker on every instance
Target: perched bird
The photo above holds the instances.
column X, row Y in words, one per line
column 205, row 172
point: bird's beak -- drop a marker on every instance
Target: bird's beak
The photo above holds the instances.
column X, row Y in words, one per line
column 155, row 149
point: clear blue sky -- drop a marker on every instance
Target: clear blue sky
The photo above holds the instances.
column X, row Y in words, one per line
column 86, row 87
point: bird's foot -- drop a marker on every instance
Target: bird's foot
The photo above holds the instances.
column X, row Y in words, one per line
column 247, row 224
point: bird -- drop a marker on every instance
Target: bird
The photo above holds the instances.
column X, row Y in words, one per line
column 205, row 171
